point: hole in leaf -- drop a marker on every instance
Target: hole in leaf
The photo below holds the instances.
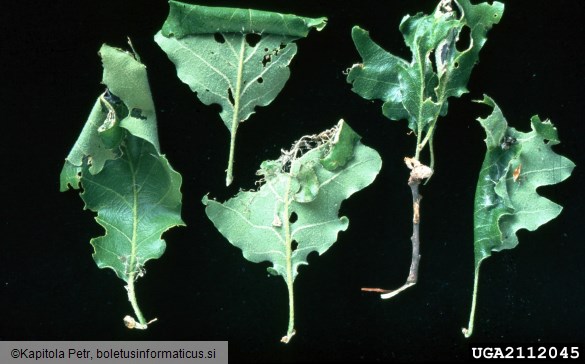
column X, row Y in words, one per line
column 111, row 98
column 432, row 61
column 137, row 113
column 293, row 218
column 282, row 45
column 293, row 245
column 267, row 58
column 260, row 80
column 231, row 96
column 265, row 49
column 456, row 65
column 252, row 39
column 464, row 39
column 218, row 38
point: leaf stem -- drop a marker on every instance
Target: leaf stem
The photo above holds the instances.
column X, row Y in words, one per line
column 418, row 142
column 432, row 153
column 230, row 169
column 132, row 299
column 236, row 115
column 469, row 330
column 291, row 311
column 429, row 134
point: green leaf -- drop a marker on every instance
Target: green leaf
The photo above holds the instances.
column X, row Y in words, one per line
column 418, row 90
column 125, row 179
column 137, row 198
column 262, row 223
column 216, row 55
column 515, row 165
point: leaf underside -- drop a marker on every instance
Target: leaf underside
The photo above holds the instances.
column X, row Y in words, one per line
column 125, row 179
column 295, row 211
column 232, row 71
column 440, row 67
column 137, row 198
column 259, row 222
column 236, row 58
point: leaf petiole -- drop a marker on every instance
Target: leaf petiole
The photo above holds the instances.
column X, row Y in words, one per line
column 132, row 298
column 469, row 330
column 230, row 169
column 291, row 312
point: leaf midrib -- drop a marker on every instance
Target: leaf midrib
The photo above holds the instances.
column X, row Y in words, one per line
column 238, row 90
column 133, row 243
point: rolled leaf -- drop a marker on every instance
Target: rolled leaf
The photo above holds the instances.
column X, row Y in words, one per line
column 189, row 19
column 295, row 211
column 236, row 58
column 125, row 179
column 515, row 165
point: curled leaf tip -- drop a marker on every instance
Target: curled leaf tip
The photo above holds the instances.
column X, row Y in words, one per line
column 188, row 19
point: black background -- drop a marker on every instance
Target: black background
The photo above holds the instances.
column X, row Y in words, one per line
column 202, row 288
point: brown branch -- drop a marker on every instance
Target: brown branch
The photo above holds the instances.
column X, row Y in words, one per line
column 418, row 172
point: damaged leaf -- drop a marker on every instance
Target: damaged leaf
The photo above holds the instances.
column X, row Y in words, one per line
column 125, row 179
column 298, row 184
column 237, row 58
column 515, row 165
column 417, row 90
